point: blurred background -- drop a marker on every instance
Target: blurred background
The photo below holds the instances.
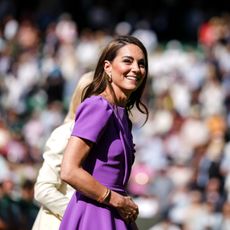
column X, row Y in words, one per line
column 181, row 176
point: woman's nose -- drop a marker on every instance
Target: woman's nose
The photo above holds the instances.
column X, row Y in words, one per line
column 135, row 67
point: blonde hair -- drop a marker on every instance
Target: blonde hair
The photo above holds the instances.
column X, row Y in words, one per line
column 77, row 95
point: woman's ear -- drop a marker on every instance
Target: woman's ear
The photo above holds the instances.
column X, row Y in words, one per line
column 107, row 67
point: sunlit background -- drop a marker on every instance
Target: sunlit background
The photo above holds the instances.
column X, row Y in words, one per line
column 181, row 174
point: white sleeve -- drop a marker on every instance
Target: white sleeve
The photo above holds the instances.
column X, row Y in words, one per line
column 50, row 191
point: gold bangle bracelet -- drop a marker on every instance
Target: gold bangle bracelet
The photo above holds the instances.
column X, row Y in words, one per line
column 105, row 196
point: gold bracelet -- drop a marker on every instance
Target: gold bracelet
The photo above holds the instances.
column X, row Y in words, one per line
column 107, row 197
column 103, row 198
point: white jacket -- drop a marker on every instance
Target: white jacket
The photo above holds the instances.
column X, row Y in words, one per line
column 50, row 191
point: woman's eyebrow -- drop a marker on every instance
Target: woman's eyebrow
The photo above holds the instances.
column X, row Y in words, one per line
column 131, row 57
column 126, row 56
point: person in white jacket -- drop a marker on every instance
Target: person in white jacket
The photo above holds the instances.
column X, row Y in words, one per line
column 50, row 191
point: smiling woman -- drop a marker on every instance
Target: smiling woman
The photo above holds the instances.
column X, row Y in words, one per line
column 126, row 71
column 99, row 155
column 103, row 79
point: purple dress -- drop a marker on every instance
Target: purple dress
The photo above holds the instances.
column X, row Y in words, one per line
column 109, row 162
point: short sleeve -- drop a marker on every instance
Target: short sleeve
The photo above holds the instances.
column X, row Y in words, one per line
column 92, row 117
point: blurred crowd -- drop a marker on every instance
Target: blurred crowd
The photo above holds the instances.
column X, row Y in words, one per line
column 181, row 175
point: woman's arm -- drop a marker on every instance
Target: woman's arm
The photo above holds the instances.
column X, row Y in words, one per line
column 73, row 173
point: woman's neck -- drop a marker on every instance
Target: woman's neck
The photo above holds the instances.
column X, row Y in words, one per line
column 112, row 98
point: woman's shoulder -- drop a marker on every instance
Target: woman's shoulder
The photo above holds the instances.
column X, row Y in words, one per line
column 98, row 103
column 97, row 99
column 92, row 116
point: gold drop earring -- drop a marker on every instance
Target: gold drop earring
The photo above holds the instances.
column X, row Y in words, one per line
column 110, row 77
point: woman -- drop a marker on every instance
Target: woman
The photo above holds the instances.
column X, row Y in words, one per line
column 50, row 191
column 100, row 152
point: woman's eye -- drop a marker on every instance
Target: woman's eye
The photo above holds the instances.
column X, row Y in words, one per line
column 141, row 64
column 127, row 61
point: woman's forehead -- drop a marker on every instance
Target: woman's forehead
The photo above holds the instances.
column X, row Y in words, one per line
column 131, row 50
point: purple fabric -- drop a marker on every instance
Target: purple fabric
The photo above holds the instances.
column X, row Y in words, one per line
column 109, row 162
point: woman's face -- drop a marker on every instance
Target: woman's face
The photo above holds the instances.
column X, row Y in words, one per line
column 127, row 69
